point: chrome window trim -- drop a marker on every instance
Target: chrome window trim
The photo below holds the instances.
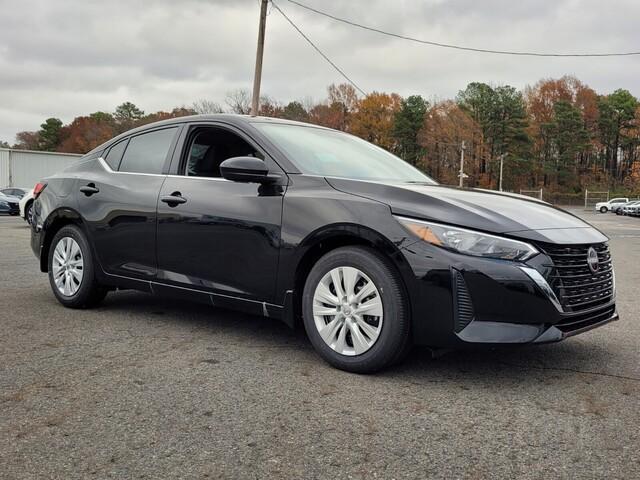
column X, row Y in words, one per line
column 194, row 177
column 106, row 166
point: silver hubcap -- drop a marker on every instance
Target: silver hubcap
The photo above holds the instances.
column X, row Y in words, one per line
column 347, row 311
column 67, row 266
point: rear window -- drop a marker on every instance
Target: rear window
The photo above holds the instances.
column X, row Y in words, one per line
column 147, row 153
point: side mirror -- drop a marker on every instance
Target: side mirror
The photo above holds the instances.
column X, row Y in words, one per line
column 246, row 169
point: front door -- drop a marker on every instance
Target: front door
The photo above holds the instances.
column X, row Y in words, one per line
column 219, row 236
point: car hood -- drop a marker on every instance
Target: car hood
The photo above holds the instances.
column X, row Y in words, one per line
column 496, row 212
column 9, row 199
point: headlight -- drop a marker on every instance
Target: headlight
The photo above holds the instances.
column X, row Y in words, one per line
column 469, row 242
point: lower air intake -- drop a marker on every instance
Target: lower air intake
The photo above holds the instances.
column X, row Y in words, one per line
column 463, row 308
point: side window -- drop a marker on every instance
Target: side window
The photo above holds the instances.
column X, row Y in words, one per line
column 207, row 148
column 115, row 154
column 146, row 153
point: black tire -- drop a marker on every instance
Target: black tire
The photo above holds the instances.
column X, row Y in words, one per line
column 393, row 342
column 603, row 209
column 28, row 211
column 90, row 292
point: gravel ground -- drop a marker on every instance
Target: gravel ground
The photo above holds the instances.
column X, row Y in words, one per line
column 144, row 387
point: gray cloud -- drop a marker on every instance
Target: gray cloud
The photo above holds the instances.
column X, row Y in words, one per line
column 72, row 57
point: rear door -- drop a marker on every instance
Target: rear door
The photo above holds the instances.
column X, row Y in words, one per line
column 118, row 201
column 223, row 236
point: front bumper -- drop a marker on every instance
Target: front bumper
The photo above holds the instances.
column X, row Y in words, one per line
column 458, row 301
column 504, row 332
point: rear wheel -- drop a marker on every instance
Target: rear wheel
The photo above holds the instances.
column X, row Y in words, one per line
column 28, row 213
column 72, row 270
column 354, row 310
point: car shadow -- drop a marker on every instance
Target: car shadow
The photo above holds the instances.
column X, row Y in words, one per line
column 575, row 355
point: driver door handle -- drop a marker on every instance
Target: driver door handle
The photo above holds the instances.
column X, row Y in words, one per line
column 174, row 199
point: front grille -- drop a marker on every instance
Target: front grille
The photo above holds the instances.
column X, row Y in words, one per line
column 573, row 282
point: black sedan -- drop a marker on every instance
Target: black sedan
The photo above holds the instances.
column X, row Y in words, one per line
column 311, row 225
column 9, row 204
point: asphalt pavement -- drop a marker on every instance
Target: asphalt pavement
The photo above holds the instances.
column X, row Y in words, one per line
column 145, row 387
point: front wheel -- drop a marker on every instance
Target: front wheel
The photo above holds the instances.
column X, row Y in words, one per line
column 603, row 209
column 72, row 270
column 355, row 310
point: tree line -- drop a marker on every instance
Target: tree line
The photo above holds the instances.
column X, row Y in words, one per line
column 558, row 134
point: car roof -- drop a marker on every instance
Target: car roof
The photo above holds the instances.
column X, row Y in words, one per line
column 230, row 118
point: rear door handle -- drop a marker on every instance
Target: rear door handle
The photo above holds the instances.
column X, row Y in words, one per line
column 174, row 199
column 89, row 190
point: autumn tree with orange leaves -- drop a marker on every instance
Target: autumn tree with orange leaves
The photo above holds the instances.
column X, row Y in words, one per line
column 445, row 127
column 373, row 118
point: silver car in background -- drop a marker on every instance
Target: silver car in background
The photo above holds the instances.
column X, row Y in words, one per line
column 630, row 208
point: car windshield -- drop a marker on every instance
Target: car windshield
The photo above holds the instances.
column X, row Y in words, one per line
column 319, row 151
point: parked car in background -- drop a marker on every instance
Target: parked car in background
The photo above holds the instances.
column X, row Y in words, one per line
column 9, row 204
column 26, row 205
column 315, row 226
column 633, row 210
column 15, row 192
column 617, row 207
column 624, row 208
column 604, row 207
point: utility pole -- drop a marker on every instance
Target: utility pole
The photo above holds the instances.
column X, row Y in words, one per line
column 461, row 174
column 501, row 163
column 257, row 77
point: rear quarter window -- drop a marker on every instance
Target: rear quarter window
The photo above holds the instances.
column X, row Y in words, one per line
column 115, row 154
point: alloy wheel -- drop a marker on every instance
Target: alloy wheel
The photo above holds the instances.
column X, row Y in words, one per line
column 67, row 266
column 347, row 311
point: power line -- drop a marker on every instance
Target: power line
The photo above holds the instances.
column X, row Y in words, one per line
column 458, row 47
column 318, row 50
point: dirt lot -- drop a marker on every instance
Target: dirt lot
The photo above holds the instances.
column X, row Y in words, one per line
column 149, row 388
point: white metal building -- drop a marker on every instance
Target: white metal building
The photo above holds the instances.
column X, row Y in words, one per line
column 24, row 168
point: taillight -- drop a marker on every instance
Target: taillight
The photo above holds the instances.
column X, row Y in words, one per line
column 37, row 190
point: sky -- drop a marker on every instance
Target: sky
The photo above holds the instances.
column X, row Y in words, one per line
column 65, row 58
